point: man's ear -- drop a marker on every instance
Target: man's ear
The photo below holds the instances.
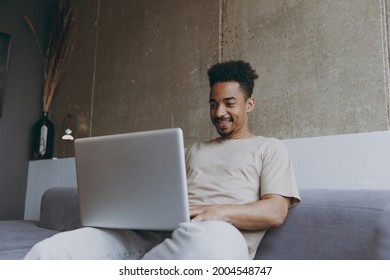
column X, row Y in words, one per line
column 250, row 104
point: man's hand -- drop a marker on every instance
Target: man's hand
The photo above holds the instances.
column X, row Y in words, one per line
column 200, row 213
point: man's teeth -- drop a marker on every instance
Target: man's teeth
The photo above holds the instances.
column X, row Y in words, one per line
column 222, row 121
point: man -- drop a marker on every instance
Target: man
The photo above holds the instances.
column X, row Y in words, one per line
column 239, row 185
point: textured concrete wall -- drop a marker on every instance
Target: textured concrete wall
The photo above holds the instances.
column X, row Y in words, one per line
column 142, row 65
column 321, row 64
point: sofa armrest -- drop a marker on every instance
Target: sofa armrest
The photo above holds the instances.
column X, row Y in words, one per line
column 60, row 209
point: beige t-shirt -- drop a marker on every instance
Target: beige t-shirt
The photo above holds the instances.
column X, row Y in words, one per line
column 239, row 171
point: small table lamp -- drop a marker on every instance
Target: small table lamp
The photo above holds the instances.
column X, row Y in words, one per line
column 68, row 130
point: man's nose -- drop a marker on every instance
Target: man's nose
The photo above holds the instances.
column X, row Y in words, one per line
column 221, row 111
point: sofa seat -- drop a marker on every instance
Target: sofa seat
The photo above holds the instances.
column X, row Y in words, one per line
column 17, row 237
column 330, row 224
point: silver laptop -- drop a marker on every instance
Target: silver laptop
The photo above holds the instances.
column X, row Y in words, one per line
column 133, row 180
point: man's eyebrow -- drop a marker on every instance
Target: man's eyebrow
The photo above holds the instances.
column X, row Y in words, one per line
column 225, row 99
column 229, row 98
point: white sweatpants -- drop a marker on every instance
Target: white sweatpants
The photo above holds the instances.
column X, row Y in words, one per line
column 190, row 241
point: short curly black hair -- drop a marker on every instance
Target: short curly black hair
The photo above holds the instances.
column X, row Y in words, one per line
column 234, row 71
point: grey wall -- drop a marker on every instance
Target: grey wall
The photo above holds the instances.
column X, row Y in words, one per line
column 22, row 100
column 142, row 64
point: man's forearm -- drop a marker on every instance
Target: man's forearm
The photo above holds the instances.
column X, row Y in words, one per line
column 268, row 212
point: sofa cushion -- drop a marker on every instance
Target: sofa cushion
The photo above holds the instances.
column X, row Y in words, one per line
column 17, row 237
column 60, row 209
column 327, row 224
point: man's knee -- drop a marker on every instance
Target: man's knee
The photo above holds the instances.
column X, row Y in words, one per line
column 209, row 240
column 226, row 240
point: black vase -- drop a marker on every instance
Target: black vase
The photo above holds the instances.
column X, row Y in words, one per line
column 42, row 138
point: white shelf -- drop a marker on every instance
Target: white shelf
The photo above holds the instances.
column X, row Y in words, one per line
column 45, row 174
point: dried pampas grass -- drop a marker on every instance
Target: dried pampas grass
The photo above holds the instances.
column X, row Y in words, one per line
column 61, row 42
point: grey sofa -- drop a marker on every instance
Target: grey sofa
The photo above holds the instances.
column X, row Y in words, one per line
column 327, row 224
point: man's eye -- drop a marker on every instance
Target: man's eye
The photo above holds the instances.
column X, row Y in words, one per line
column 230, row 104
column 212, row 106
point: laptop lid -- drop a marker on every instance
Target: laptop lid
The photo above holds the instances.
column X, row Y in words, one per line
column 133, row 180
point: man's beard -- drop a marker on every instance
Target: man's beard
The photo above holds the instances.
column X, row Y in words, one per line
column 223, row 132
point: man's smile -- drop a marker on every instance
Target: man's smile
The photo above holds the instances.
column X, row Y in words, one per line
column 222, row 122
